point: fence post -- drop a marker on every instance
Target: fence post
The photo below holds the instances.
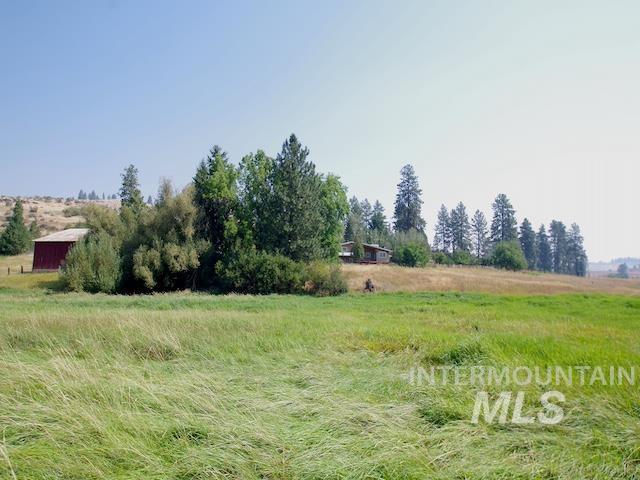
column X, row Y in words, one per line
column 8, row 271
column 21, row 269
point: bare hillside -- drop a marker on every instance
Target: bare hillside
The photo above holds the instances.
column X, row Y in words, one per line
column 392, row 278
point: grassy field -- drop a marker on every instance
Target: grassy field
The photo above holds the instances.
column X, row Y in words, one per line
column 193, row 386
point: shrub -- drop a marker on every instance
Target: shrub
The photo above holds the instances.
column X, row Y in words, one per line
column 442, row 258
column 260, row 273
column 508, row 255
column 92, row 265
column 72, row 212
column 15, row 238
column 462, row 257
column 324, row 279
column 411, row 255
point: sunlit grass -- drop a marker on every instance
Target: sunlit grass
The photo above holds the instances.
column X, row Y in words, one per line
column 194, row 386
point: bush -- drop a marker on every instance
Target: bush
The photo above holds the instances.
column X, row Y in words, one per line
column 462, row 257
column 260, row 273
column 324, row 279
column 92, row 265
column 508, row 255
column 411, row 255
column 442, row 258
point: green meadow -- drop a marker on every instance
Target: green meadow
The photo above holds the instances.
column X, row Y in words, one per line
column 194, row 386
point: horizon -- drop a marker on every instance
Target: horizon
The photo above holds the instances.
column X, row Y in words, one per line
column 535, row 101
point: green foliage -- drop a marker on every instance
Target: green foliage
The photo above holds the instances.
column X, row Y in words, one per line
column 408, row 204
column 479, row 234
column 503, row 225
column 623, row 271
column 130, row 194
column 15, row 239
column 34, row 230
column 411, row 255
column 324, row 279
column 334, row 207
column 442, row 237
column 460, row 229
column 544, row 260
column 528, row 243
column 357, row 252
column 462, row 257
column 441, row 258
column 558, row 242
column 92, row 265
column 508, row 255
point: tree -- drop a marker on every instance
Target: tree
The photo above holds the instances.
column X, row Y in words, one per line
column 623, row 271
column 15, row 238
column 442, row 237
column 558, row 241
column 130, row 193
column 479, row 234
column 378, row 222
column 508, row 255
column 460, row 229
column 334, row 208
column 82, row 195
column 149, row 200
column 34, row 230
column 216, row 200
column 296, row 207
column 528, row 243
column 92, row 265
column 408, row 202
column 367, row 213
column 503, row 225
column 544, row 260
column 576, row 255
column 355, row 226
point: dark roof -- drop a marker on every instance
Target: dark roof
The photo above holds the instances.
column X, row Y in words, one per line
column 370, row 245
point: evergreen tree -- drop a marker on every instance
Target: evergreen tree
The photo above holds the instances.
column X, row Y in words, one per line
column 576, row 255
column 408, row 202
column 103, row 196
column 442, row 237
column 479, row 234
column 367, row 213
column 34, row 230
column 334, row 209
column 528, row 243
column 460, row 229
column 15, row 238
column 623, row 271
column 558, row 241
column 503, row 225
column 355, row 226
column 216, row 200
column 378, row 222
column 82, row 195
column 544, row 260
column 149, row 200
column 297, row 203
column 130, row 193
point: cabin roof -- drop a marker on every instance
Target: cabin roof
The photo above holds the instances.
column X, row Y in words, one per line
column 369, row 245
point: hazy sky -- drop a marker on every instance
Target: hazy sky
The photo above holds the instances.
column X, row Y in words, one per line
column 536, row 99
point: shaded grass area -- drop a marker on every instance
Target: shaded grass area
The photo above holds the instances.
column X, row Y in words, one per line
column 190, row 386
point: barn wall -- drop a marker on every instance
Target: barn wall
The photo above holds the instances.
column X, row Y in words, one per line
column 50, row 255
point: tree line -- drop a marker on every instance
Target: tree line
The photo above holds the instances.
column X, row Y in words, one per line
column 266, row 225
column 461, row 239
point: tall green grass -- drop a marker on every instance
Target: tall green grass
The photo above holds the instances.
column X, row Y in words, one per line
column 188, row 386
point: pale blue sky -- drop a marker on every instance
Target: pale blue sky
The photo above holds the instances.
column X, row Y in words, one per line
column 538, row 99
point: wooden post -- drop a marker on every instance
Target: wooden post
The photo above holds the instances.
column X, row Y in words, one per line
column 8, row 271
column 21, row 269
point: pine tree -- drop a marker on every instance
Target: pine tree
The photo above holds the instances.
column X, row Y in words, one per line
column 367, row 213
column 149, row 200
column 479, row 234
column 528, row 243
column 15, row 238
column 378, row 221
column 442, row 237
column 544, row 260
column 503, row 225
column 460, row 229
column 558, row 241
column 130, row 193
column 408, row 202
column 576, row 255
column 355, row 226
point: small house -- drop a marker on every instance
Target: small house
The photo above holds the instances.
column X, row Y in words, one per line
column 373, row 253
column 50, row 251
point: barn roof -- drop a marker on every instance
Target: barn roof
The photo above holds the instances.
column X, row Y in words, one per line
column 68, row 235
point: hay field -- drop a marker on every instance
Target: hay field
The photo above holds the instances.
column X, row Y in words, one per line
column 391, row 278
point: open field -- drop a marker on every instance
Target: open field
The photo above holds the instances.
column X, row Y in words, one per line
column 391, row 278
column 193, row 386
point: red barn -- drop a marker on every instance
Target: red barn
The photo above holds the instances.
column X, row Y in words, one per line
column 50, row 251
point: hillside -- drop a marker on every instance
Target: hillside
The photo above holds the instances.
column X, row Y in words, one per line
column 51, row 214
column 390, row 278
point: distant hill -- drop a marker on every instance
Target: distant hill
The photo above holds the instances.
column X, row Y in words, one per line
column 52, row 214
